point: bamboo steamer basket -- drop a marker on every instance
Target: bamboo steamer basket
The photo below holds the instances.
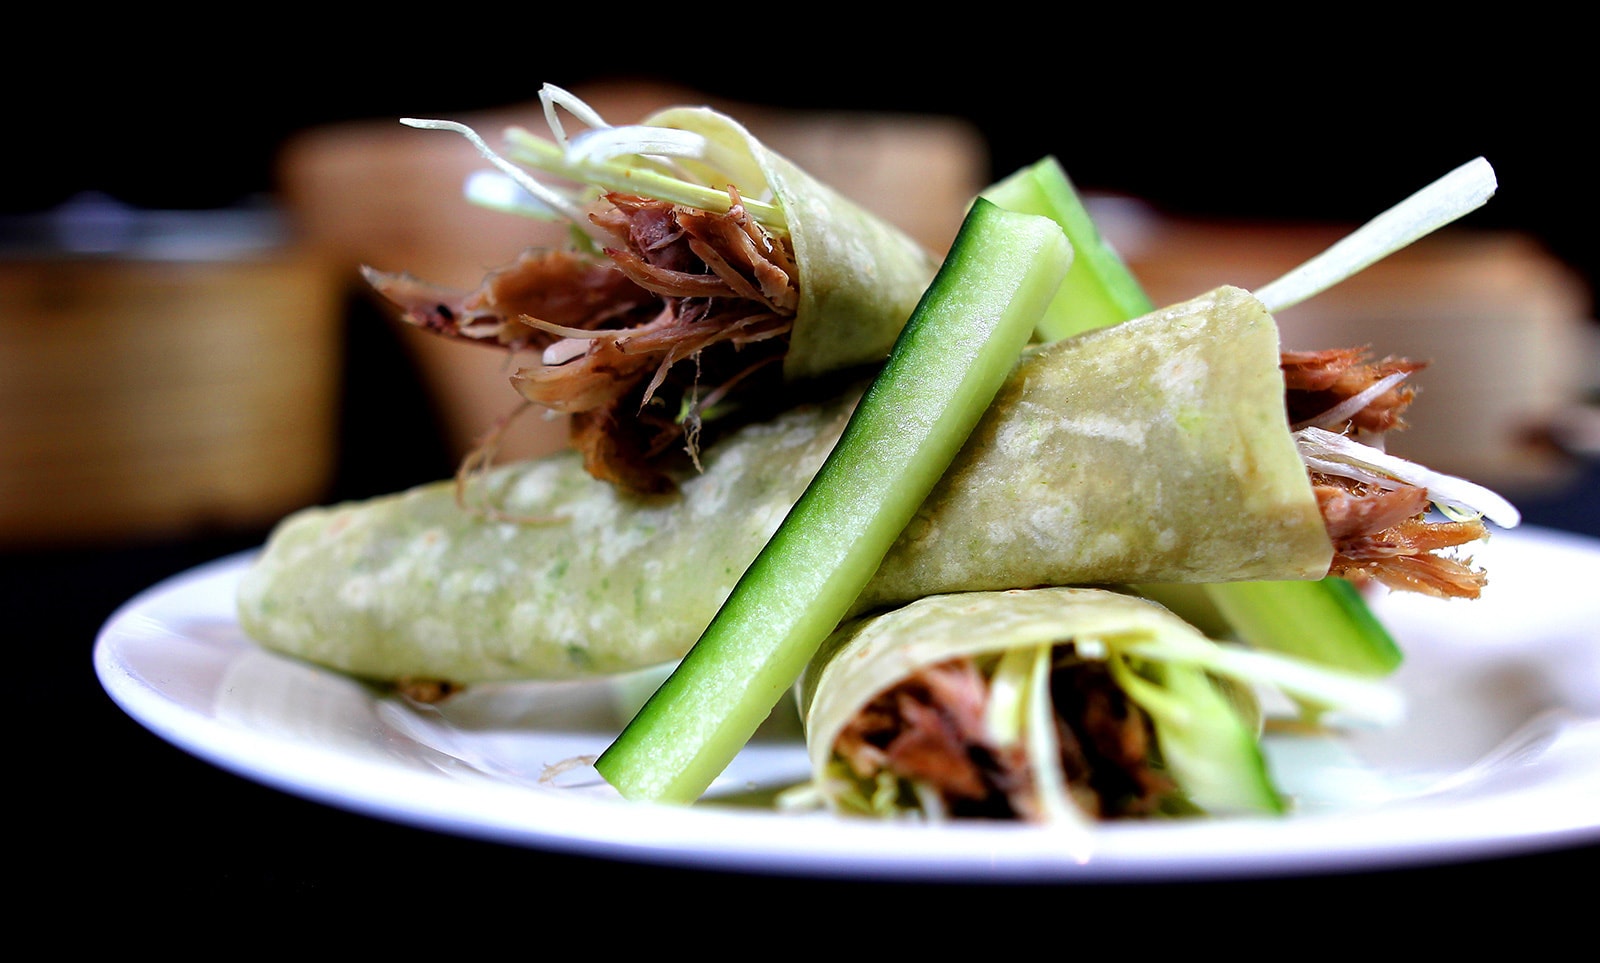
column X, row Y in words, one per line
column 179, row 379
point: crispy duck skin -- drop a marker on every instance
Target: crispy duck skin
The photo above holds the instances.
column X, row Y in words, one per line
column 687, row 306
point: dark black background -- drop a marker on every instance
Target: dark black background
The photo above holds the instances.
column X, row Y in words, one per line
column 1224, row 116
column 1292, row 116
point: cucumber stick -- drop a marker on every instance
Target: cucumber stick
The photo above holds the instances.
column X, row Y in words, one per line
column 1206, row 744
column 1325, row 621
column 959, row 345
column 1099, row 290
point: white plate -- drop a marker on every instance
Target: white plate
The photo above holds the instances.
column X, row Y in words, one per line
column 1501, row 753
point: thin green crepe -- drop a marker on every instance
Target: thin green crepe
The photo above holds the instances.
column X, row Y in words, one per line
column 859, row 276
column 1153, row 451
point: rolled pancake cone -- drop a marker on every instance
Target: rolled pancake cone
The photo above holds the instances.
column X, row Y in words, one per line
column 1153, row 451
column 859, row 277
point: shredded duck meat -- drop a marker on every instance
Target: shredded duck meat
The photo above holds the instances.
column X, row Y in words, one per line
column 1378, row 534
column 929, row 729
column 688, row 307
column 1107, row 742
column 1381, row 535
column 1319, row 381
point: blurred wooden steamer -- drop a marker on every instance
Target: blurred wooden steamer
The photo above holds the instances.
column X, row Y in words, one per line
column 163, row 373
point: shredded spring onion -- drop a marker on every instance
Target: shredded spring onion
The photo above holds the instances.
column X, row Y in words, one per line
column 1008, row 693
column 602, row 145
column 547, row 195
column 1352, row 405
column 1464, row 189
column 1357, row 698
column 553, row 97
column 1335, row 454
column 1021, row 711
column 636, row 159
column 1044, row 758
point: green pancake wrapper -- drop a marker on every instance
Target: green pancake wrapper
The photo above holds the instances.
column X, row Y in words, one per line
column 1154, row 451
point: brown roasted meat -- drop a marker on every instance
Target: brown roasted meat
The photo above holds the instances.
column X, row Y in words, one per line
column 686, row 308
column 929, row 730
column 1378, row 534
column 1382, row 535
column 1321, row 381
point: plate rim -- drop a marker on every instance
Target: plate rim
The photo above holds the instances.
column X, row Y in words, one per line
column 715, row 837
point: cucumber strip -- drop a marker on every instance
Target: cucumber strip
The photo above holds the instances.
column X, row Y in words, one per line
column 1204, row 742
column 1099, row 290
column 952, row 356
column 1326, row 621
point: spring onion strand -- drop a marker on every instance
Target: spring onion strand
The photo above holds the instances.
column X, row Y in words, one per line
column 1452, row 196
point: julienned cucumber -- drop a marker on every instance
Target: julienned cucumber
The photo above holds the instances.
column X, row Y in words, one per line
column 1326, row 621
column 956, row 350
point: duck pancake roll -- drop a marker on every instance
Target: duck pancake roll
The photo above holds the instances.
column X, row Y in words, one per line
column 708, row 270
column 1156, row 451
column 1059, row 705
